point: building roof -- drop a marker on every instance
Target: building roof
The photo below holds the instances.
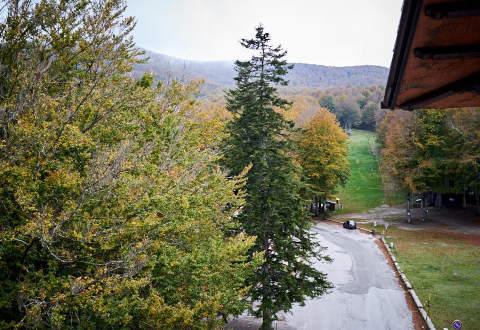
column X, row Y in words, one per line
column 436, row 59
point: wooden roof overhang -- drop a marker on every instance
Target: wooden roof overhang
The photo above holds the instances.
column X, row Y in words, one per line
column 436, row 59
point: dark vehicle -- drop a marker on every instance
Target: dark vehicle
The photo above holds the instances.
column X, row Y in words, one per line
column 350, row 224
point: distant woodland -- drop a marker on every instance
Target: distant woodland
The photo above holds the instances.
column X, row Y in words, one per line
column 352, row 93
column 218, row 75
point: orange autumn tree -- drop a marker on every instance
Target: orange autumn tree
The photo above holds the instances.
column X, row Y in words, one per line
column 431, row 150
column 396, row 134
column 322, row 153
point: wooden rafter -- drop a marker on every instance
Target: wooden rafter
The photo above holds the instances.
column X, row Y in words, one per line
column 436, row 59
column 469, row 84
column 453, row 9
column 410, row 13
column 448, row 52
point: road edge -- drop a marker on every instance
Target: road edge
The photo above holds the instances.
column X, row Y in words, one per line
column 409, row 287
column 402, row 276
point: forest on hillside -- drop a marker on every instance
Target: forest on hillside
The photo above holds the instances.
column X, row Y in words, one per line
column 218, row 75
column 354, row 107
column 352, row 93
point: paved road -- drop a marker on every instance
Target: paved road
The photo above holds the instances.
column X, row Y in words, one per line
column 367, row 294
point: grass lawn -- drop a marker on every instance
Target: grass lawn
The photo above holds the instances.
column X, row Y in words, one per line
column 444, row 268
column 363, row 190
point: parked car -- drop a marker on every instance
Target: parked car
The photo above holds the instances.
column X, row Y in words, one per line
column 349, row 224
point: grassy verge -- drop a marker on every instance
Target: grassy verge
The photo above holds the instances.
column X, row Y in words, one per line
column 363, row 190
column 444, row 269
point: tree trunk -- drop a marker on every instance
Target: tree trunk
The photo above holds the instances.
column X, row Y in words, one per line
column 409, row 218
column 267, row 321
column 438, row 200
column 408, row 201
column 477, row 199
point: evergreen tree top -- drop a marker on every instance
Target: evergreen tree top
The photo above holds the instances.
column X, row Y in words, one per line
column 257, row 77
column 269, row 64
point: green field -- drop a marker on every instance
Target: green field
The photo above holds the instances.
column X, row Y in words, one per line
column 444, row 269
column 363, row 190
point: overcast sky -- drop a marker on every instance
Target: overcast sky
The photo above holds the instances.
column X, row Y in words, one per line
column 327, row 32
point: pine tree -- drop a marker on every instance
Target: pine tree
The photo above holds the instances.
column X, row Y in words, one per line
column 274, row 212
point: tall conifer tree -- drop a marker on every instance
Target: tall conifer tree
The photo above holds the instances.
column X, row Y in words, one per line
column 274, row 211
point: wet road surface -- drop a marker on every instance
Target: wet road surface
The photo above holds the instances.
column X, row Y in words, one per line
column 367, row 294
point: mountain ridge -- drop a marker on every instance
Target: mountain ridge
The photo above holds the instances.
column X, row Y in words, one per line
column 219, row 75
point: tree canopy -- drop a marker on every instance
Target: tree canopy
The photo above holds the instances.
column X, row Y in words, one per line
column 322, row 153
column 113, row 211
column 431, row 150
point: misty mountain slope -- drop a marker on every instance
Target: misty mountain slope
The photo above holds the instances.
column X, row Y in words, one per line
column 320, row 76
column 219, row 75
column 165, row 67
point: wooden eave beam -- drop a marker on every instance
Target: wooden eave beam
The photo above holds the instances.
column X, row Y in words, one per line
column 406, row 30
column 448, row 52
column 468, row 84
column 453, row 9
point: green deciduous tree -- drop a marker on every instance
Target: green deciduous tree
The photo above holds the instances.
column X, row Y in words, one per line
column 368, row 115
column 274, row 211
column 113, row 212
column 347, row 111
column 327, row 101
column 466, row 122
column 417, row 147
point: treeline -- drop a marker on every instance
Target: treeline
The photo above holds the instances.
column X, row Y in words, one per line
column 116, row 211
column 432, row 152
column 354, row 107
column 309, row 76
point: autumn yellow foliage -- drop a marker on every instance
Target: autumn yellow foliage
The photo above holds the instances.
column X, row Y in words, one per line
column 322, row 153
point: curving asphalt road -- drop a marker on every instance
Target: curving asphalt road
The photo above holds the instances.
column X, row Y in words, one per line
column 367, row 294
